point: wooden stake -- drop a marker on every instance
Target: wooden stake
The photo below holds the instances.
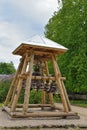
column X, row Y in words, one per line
column 28, row 84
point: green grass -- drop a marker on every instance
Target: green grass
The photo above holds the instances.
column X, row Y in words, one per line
column 81, row 103
column 0, row 104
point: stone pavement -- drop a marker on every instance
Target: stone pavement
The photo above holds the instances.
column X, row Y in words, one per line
column 81, row 110
column 7, row 122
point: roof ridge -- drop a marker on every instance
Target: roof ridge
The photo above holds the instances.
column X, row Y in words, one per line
column 42, row 39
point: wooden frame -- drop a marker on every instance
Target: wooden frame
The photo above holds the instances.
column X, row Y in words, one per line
column 23, row 110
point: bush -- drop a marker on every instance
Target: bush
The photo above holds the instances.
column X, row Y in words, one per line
column 4, row 87
column 7, row 68
column 35, row 96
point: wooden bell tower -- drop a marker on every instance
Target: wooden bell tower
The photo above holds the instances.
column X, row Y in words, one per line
column 43, row 50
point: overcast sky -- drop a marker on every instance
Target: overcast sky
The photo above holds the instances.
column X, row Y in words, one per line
column 19, row 20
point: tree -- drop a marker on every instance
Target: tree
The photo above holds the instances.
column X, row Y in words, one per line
column 69, row 28
column 7, row 68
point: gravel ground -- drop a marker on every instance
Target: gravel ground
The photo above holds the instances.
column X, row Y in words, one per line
column 7, row 122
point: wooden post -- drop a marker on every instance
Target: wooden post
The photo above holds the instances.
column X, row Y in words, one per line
column 67, row 99
column 28, row 84
column 25, row 63
column 43, row 97
column 58, row 75
column 64, row 90
column 16, row 83
column 43, row 92
column 12, row 87
column 19, row 86
column 50, row 94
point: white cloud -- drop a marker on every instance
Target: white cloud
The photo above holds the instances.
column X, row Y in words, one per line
column 13, row 31
column 40, row 10
column 10, row 38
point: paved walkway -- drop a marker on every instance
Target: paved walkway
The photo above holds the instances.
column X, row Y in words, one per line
column 6, row 121
column 80, row 110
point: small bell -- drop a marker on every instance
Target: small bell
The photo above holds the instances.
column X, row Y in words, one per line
column 47, row 86
column 53, row 87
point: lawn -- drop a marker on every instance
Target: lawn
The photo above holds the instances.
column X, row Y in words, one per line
column 81, row 103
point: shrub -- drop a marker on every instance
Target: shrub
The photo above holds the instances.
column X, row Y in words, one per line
column 4, row 87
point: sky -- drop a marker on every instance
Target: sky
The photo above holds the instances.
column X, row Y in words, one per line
column 20, row 20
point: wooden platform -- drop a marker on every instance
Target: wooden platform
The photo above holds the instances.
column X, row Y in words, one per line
column 38, row 111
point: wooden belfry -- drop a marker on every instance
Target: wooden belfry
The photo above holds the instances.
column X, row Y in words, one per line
column 33, row 73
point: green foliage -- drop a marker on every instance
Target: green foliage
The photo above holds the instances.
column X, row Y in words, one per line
column 35, row 97
column 1, row 104
column 50, row 68
column 81, row 103
column 4, row 87
column 69, row 28
column 7, row 68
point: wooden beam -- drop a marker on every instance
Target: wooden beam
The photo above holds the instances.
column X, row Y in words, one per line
column 43, row 97
column 23, row 47
column 67, row 99
column 50, row 94
column 43, row 92
column 28, row 84
column 64, row 90
column 25, row 63
column 16, row 83
column 24, row 76
column 34, row 105
column 19, row 86
column 43, row 114
column 57, row 73
column 12, row 87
